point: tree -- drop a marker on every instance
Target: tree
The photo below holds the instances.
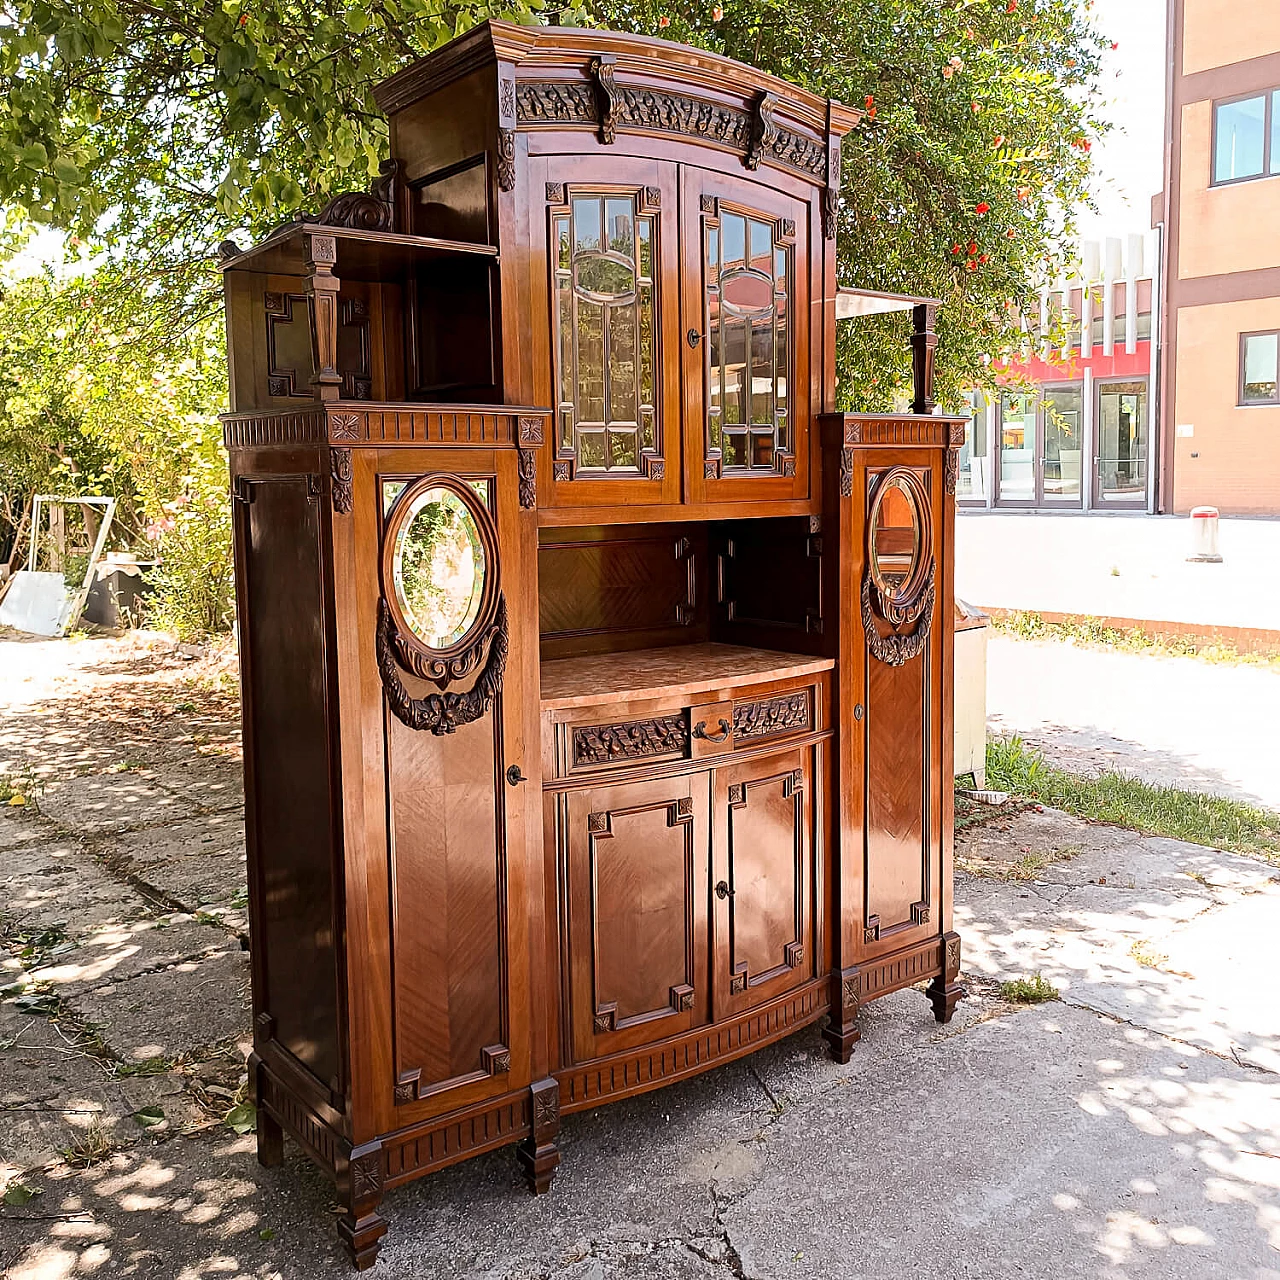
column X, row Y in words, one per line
column 163, row 124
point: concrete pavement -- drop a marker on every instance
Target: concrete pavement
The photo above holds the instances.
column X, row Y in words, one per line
column 1130, row 1130
column 1175, row 721
column 1119, row 566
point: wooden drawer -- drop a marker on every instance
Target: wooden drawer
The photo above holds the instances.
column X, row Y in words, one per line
column 760, row 718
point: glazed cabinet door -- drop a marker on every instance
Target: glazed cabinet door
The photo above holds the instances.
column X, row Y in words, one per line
column 763, row 879
column 635, row 863
column 605, row 266
column 447, row 712
column 746, row 340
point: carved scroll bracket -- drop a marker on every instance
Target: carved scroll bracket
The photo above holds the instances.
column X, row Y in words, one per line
column 602, row 75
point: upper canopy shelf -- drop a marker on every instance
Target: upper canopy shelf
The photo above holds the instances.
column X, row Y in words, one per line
column 361, row 255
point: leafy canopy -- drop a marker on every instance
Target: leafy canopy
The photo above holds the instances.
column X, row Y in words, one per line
column 156, row 127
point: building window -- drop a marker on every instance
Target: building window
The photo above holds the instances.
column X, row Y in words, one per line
column 1260, row 368
column 1246, row 138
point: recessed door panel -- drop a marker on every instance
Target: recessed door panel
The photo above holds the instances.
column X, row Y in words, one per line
column 763, row 878
column 637, row 862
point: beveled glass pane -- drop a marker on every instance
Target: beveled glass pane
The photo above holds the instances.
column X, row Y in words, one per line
column 645, row 309
column 566, row 427
column 761, row 247
column 590, row 388
column 591, row 449
column 735, row 449
column 714, row 370
column 648, row 438
column 586, row 224
column 762, row 373
column 438, row 568
column 562, row 243
column 565, row 324
column 733, row 228
column 713, row 255
column 736, row 406
column 781, row 361
column 644, row 230
column 747, row 292
column 391, row 490
column 713, row 428
column 784, row 436
column 780, row 268
column 622, row 364
column 605, row 277
column 762, row 449
column 618, row 215
column 622, row 449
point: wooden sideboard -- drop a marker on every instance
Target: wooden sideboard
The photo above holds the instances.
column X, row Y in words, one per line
column 597, row 673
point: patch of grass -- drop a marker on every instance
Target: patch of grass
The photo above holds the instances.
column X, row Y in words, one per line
column 1093, row 632
column 147, row 1067
column 1033, row 990
column 90, row 1147
column 1028, row 867
column 1125, row 801
column 1144, row 955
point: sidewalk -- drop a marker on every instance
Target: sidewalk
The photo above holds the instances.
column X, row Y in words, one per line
column 1119, row 567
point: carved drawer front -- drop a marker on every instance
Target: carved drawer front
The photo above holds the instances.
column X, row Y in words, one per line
column 637, row 862
column 774, row 714
column 659, row 737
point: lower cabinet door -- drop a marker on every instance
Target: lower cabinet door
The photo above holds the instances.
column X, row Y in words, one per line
column 762, row 874
column 637, row 860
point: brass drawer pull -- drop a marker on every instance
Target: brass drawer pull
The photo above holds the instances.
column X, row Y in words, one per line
column 700, row 731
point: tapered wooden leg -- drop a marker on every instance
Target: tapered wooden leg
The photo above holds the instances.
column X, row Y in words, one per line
column 270, row 1141
column 945, row 992
column 842, row 1033
column 362, row 1227
column 539, row 1153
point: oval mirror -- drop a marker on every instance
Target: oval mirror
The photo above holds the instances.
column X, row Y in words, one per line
column 896, row 538
column 438, row 568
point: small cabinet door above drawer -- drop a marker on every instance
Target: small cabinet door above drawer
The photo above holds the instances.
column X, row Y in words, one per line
column 762, row 872
column 637, row 864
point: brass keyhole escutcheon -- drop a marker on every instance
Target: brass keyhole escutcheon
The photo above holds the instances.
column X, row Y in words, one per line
column 694, row 338
column 723, row 891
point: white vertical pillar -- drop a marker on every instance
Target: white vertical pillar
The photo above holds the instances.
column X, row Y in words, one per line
column 1111, row 274
column 1133, row 269
column 1154, row 408
column 1089, row 273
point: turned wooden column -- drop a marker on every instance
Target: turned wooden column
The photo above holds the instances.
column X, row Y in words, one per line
column 322, row 297
column 923, row 343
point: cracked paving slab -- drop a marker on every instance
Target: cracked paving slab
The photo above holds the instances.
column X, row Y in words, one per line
column 1178, row 939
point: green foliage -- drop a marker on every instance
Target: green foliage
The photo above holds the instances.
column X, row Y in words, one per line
column 193, row 590
column 1033, row 990
column 1126, row 801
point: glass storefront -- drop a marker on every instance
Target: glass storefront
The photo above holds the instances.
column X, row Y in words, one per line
column 971, row 481
column 1017, row 448
column 1121, row 444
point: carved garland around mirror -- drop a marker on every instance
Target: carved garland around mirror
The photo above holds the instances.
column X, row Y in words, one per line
column 441, row 606
column 898, row 585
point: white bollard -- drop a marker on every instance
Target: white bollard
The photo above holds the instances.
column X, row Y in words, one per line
column 1204, row 536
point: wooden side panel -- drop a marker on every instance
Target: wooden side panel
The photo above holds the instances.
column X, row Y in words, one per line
column 447, row 924
column 615, row 587
column 290, row 826
column 636, row 863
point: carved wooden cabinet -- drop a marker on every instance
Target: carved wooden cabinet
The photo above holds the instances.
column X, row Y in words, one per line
column 597, row 675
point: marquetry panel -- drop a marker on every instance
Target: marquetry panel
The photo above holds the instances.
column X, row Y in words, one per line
column 447, row 857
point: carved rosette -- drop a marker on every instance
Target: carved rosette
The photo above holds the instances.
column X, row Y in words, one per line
column 345, row 426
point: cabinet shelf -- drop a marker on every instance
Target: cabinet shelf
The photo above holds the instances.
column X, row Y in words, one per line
column 362, row 255
column 667, row 673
